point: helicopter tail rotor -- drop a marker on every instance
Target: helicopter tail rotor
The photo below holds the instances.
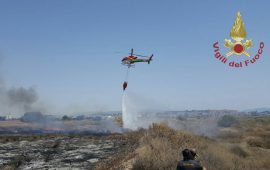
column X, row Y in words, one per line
column 150, row 59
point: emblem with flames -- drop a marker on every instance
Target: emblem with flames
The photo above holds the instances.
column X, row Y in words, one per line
column 238, row 34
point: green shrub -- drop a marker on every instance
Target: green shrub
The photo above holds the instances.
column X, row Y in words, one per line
column 227, row 121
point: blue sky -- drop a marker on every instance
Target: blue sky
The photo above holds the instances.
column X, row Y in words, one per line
column 69, row 52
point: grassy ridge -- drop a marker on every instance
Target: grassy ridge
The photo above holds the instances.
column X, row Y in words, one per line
column 160, row 149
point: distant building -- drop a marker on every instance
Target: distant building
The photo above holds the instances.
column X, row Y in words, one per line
column 9, row 117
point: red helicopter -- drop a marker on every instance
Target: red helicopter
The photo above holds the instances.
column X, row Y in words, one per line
column 133, row 58
column 130, row 62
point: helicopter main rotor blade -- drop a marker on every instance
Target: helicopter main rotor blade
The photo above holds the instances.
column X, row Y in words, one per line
column 141, row 55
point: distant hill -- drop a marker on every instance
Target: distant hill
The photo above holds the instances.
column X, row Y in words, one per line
column 258, row 110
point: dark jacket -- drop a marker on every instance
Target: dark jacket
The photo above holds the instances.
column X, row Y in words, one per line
column 189, row 165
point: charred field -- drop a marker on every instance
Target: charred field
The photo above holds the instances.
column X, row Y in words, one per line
column 60, row 144
column 60, row 151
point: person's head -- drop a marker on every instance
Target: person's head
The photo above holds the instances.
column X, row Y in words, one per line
column 193, row 152
column 187, row 155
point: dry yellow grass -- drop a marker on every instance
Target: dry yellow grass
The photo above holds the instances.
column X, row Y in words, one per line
column 16, row 123
column 160, row 149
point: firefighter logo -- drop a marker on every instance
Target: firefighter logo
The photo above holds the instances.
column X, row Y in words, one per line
column 238, row 34
column 238, row 46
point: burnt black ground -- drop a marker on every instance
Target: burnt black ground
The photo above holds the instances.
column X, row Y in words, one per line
column 57, row 152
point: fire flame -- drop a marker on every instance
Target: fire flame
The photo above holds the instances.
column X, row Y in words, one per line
column 238, row 32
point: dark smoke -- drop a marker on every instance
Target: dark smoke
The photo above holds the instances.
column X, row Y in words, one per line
column 22, row 97
column 16, row 100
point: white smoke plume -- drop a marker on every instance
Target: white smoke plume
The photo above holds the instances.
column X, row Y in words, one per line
column 139, row 112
